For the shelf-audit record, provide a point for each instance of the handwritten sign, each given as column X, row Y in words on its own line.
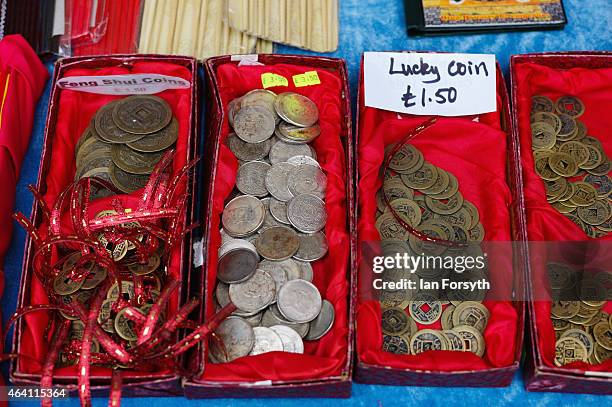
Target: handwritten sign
column 270, row 80
column 132, row 84
column 309, row 78
column 430, row 84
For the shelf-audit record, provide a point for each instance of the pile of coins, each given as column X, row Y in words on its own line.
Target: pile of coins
column 272, row 230
column 427, row 198
column 111, row 318
column 573, row 165
column 583, row 330
column 125, row 140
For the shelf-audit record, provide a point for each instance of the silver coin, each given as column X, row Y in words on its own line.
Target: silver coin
column 243, row 215
column 259, row 97
column 289, row 267
column 254, row 124
column 222, row 294
column 272, row 316
column 269, row 220
column 306, row 272
column 296, row 109
column 303, row 160
column 251, row 178
column 278, row 273
column 254, row 320
column 312, row 247
column 307, row 179
column 248, row 151
column 292, row 342
column 298, row 134
column 281, row 151
column 237, row 262
column 299, row 301
column 254, row 294
column 266, row 340
column 225, row 237
column 277, row 243
column 276, row 181
column 237, row 340
column 307, row 213
column 278, row 210
column 322, row 323
column 232, row 108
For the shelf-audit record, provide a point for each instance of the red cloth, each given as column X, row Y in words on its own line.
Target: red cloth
column 475, row 151
column 544, row 223
column 327, row 356
column 22, row 80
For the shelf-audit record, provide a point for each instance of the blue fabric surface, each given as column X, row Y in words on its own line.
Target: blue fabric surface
column 373, row 25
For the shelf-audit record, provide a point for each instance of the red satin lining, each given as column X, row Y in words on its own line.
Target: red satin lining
column 75, row 110
column 475, row 152
column 544, row 223
column 327, row 356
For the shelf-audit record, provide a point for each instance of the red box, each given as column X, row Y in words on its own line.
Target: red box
column 491, row 376
column 556, row 74
column 143, row 385
column 334, row 382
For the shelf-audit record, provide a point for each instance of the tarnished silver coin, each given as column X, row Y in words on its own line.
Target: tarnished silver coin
column 298, row 134
column 307, row 179
column 306, row 272
column 296, row 109
column 248, row 151
column 254, row 124
column 292, row 269
column 238, row 260
column 276, row 181
column 278, row 210
column 260, row 97
column 222, row 294
column 307, row 213
column 142, row 114
column 282, row 151
column 255, row 293
column 243, row 215
column 237, row 340
column 292, row 342
column 272, row 316
column 303, row 160
column 322, row 323
column 266, row 340
column 312, row 247
column 269, row 220
column 299, row 301
column 251, row 176
column 277, row 243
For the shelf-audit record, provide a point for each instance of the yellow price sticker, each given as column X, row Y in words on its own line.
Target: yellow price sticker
column 306, row 79
column 270, row 80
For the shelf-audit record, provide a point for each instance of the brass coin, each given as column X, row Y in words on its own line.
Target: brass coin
column 562, row 208
column 158, row 141
column 473, row 213
column 407, row 210
column 134, row 162
column 143, row 269
column 548, row 118
column 601, row 183
column 125, row 327
column 455, row 341
column 565, row 309
column 471, row 313
column 395, row 188
column 543, row 169
column 472, row 339
column 602, row 332
column 141, row 114
column 442, row 182
column 407, row 159
column 421, row 246
column 570, row 105
column 424, row 309
column 541, row 104
column 447, row 206
column 447, row 317
column 398, row 345
column 477, row 233
column 426, row 340
column 560, row 324
column 127, row 291
column 394, row 321
column 87, row 134
column 595, row 157
column 576, row 150
column 450, row 190
column 461, row 218
column 568, row 350
column 399, row 299
column 583, row 337
column 543, row 136
column 104, row 316
column 390, row 229
column 563, row 164
column 568, row 194
column 601, row 354
column 95, row 277
column 64, row 285
column 569, row 128
column 555, row 189
column 107, row 129
column 423, row 178
column 127, row 182
column 603, row 169
column 596, row 213
column 581, row 130
column 585, row 194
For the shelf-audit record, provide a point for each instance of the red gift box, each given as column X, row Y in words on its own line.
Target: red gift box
column 325, row 368
column 69, row 114
column 492, row 181
column 586, row 75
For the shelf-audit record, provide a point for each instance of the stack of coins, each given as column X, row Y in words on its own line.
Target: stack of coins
column 125, row 140
column 573, row 165
column 583, row 330
column 112, row 317
column 427, row 198
column 272, row 230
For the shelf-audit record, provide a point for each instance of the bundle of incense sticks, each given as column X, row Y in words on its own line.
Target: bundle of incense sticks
column 309, row 24
column 193, row 27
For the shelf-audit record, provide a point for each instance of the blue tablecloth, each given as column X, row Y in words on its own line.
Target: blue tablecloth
column 375, row 25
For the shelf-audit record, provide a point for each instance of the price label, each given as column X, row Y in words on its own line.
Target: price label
column 306, row 79
column 430, row 84
column 270, row 80
column 131, row 84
